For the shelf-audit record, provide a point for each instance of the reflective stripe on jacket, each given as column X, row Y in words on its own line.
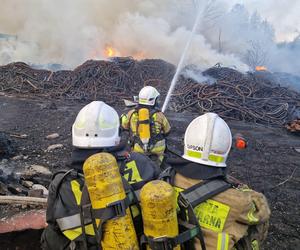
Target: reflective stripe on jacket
column 226, row 217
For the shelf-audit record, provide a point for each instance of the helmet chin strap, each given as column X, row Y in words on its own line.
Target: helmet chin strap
column 209, row 134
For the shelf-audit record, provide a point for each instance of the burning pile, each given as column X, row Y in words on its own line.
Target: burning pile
column 110, row 81
column 234, row 95
column 248, row 97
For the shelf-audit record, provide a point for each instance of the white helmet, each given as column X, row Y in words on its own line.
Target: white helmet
column 148, row 96
column 96, row 126
column 207, row 140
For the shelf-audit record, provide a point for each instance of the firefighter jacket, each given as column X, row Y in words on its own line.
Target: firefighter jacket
column 227, row 218
column 159, row 129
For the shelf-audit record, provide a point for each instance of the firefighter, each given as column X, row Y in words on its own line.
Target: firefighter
column 95, row 130
column 147, row 125
column 230, row 215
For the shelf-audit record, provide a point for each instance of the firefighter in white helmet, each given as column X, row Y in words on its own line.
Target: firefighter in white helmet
column 230, row 215
column 147, row 125
column 95, row 130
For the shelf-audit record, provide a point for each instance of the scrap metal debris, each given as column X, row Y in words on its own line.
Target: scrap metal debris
column 249, row 97
column 294, row 126
column 110, row 81
column 234, row 95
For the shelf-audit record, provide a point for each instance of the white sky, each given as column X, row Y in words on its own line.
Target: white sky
column 284, row 15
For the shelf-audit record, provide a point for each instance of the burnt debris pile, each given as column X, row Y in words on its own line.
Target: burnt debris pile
column 110, row 81
column 251, row 97
column 247, row 97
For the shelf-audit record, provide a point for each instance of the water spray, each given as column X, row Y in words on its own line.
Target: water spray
column 183, row 56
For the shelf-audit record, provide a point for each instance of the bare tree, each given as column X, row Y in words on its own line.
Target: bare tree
column 256, row 55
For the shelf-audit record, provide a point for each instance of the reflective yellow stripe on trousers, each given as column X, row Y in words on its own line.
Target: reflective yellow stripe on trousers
column 223, row 241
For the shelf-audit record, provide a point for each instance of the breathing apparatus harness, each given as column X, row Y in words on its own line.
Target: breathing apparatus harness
column 135, row 137
column 86, row 214
column 189, row 226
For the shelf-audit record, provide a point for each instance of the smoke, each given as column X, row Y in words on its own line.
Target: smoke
column 195, row 73
column 72, row 31
column 284, row 15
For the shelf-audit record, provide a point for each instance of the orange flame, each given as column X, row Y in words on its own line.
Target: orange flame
column 261, row 68
column 110, row 51
column 139, row 55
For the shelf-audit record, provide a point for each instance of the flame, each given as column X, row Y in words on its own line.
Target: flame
column 110, row 51
column 261, row 68
column 139, row 55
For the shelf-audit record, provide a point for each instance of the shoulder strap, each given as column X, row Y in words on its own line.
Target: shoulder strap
column 61, row 178
column 133, row 111
column 202, row 191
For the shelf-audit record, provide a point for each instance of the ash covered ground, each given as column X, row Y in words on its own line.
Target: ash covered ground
column 269, row 164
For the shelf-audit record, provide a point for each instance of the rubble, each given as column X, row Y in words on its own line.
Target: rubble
column 36, row 193
column 17, row 180
column 294, row 126
column 40, row 187
column 27, row 184
column 52, row 136
column 54, row 147
column 19, row 136
column 18, row 157
column 37, row 170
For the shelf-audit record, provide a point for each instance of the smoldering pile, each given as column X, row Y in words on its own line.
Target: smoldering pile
column 110, row 81
column 250, row 97
column 233, row 95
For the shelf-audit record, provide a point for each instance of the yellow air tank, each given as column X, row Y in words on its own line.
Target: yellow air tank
column 105, row 186
column 144, row 125
column 158, row 203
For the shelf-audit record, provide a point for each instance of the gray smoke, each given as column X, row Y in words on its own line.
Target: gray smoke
column 71, row 31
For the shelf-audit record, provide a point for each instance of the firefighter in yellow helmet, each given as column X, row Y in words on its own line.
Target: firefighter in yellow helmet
column 147, row 125
column 230, row 215
column 94, row 132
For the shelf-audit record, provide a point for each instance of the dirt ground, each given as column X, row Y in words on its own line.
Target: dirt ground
column 270, row 164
